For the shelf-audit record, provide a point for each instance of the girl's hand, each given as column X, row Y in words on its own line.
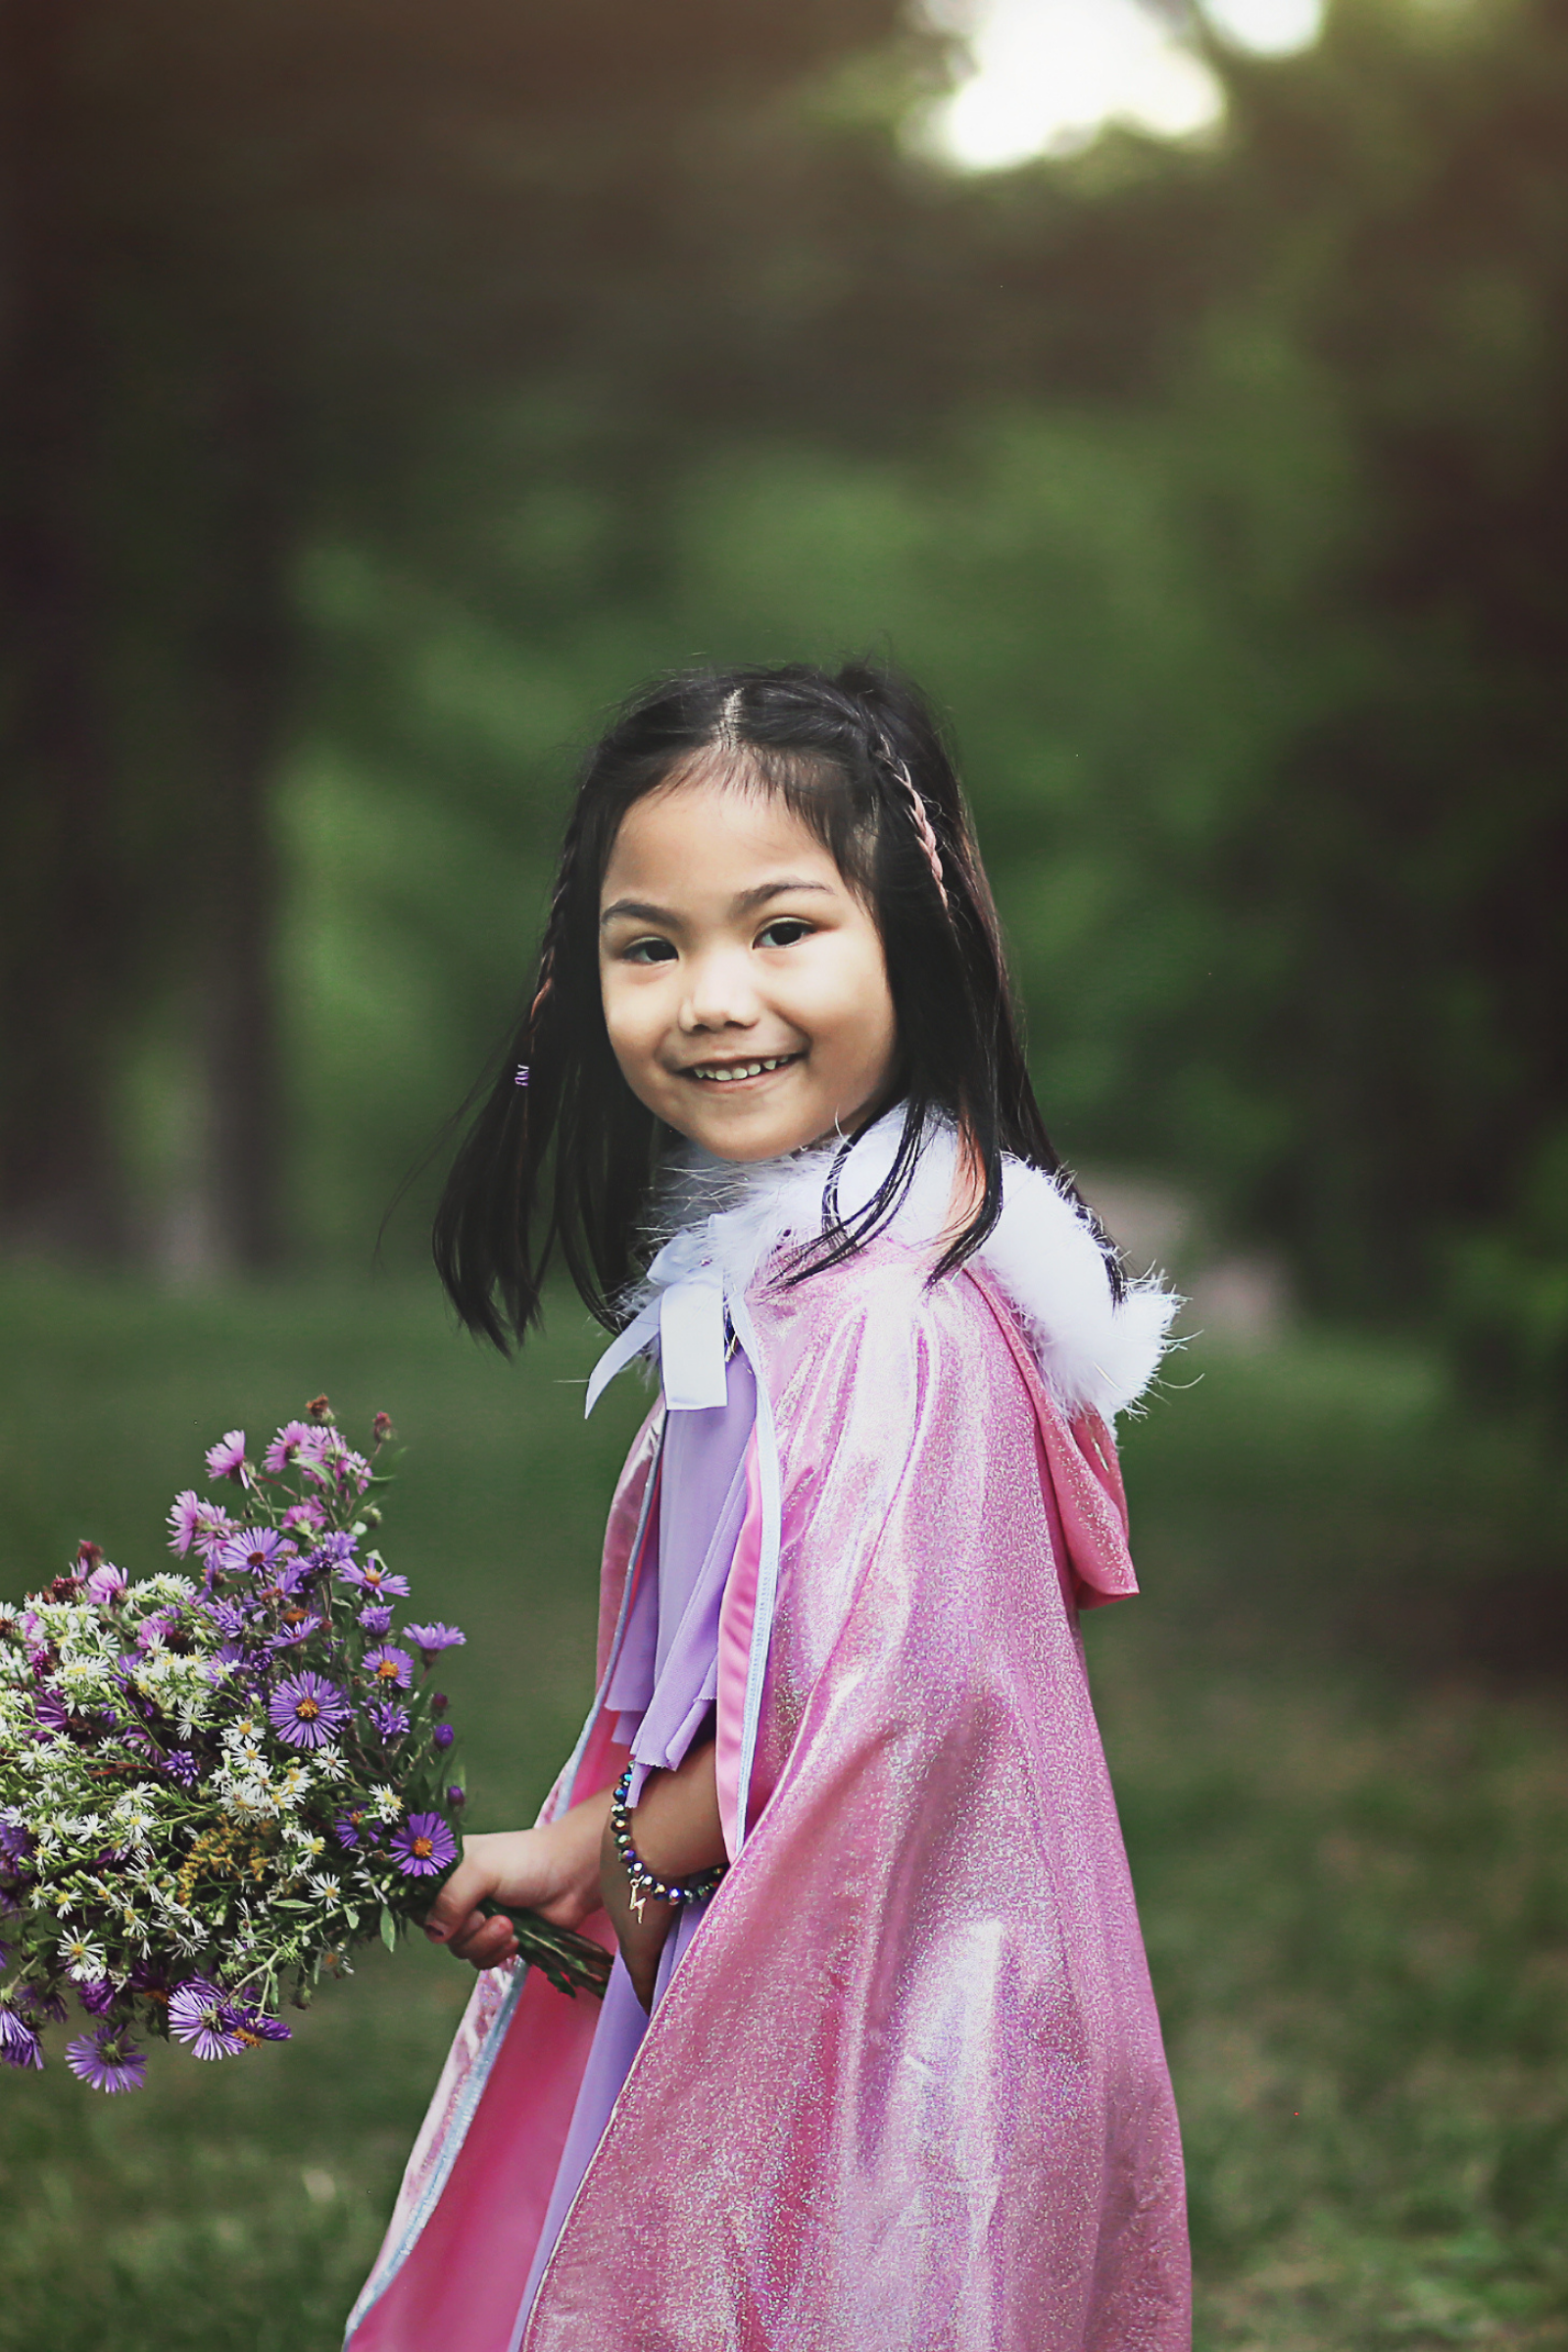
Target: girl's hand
column 553, row 1870
column 676, row 1830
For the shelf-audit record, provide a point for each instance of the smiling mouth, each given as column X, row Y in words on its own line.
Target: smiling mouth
column 728, row 1073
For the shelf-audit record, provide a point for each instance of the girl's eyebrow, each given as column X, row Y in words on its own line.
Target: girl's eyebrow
column 641, row 910
column 750, row 900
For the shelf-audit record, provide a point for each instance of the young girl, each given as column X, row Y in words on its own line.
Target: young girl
column 878, row 2069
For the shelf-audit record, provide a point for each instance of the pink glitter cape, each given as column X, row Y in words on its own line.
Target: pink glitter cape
column 906, row 2091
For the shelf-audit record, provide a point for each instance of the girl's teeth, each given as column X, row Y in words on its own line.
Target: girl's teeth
column 742, row 1069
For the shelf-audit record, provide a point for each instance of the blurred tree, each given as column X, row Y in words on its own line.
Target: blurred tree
column 301, row 228
column 69, row 935
column 1403, row 868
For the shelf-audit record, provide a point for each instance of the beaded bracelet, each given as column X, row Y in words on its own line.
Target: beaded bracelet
column 644, row 1882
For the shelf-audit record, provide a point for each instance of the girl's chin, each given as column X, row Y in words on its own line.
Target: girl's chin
column 750, row 1140
column 765, row 1133
column 752, row 1131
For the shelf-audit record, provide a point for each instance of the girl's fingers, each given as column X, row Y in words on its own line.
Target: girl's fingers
column 459, row 1899
column 483, row 1942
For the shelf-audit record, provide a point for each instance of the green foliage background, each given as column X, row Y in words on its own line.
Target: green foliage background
column 1354, row 1884
column 392, row 392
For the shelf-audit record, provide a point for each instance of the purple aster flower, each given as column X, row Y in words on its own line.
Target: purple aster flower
column 19, row 2044
column 353, row 1470
column 378, row 1581
column 444, row 1734
column 306, row 1710
column 98, row 1995
column 290, row 1579
column 255, row 2026
column 390, row 1720
column 213, row 1531
column 255, row 1551
column 307, row 1514
column 157, row 1628
column 198, row 2015
column 15, row 1842
column 291, row 1440
column 298, row 1626
column 229, row 1617
column 333, row 1550
column 227, row 1459
column 392, row 1668
column 430, row 1639
column 184, row 1520
column 376, row 1619
column 346, row 1828
column 107, row 2060
column 106, row 1584
column 423, row 1846
column 318, row 1464
column 50, row 1712
column 181, row 1766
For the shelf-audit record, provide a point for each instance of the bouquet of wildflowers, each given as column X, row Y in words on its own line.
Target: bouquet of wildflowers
column 214, row 1784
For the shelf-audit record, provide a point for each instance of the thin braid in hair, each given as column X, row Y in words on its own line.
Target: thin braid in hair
column 925, row 831
column 547, row 954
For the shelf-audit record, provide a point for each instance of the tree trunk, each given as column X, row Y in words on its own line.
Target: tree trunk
column 70, row 920
column 246, row 668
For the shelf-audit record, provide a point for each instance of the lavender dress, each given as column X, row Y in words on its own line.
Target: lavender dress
column 663, row 1691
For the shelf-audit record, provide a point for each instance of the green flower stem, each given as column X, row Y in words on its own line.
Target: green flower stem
column 573, row 1963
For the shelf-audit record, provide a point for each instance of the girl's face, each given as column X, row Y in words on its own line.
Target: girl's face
column 745, row 989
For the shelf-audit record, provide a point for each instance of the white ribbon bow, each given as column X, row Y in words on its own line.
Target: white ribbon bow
column 687, row 1318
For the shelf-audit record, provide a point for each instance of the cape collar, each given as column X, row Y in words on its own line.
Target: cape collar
column 719, row 1224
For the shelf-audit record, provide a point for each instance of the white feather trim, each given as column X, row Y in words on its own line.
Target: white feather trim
column 1093, row 1349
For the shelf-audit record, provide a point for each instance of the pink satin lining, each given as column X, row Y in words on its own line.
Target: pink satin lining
column 736, row 1616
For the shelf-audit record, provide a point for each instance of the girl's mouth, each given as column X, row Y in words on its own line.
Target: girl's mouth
column 734, row 1073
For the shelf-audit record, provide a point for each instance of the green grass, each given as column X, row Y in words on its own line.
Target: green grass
column 1353, row 1879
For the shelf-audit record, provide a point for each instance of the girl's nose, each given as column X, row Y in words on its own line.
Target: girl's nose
column 719, row 992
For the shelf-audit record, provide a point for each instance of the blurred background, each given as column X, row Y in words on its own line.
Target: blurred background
column 1178, row 391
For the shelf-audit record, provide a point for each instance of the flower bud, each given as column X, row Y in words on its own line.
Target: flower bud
column 320, row 1409
column 439, row 1702
column 444, row 1734
column 457, row 1798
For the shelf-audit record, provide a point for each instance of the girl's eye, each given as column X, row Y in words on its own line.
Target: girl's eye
column 648, row 950
column 784, row 933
